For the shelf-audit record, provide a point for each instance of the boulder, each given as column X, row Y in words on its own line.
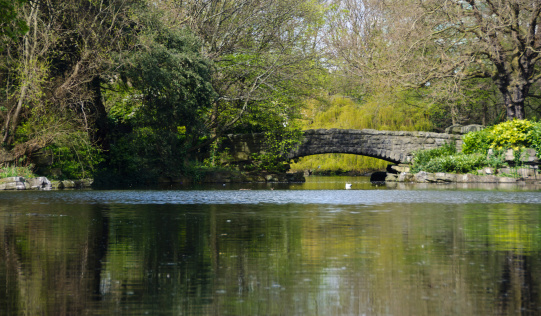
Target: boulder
column 453, row 129
column 67, row 184
column 406, row 177
column 11, row 179
column 83, row 183
column 461, row 130
column 445, row 177
column 12, row 183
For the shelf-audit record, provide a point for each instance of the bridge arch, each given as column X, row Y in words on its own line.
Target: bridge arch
column 392, row 146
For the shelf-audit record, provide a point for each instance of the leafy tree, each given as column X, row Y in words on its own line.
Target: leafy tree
column 262, row 51
column 173, row 80
column 158, row 102
column 11, row 26
column 420, row 43
column 51, row 77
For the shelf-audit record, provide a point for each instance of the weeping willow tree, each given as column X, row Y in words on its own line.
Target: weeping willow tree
column 402, row 111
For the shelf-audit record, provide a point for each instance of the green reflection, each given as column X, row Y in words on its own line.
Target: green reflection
column 290, row 259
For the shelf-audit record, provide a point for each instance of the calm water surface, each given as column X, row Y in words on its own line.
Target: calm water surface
column 301, row 249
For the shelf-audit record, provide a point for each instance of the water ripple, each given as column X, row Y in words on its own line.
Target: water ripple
column 335, row 197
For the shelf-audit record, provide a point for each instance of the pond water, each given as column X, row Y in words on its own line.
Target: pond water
column 300, row 249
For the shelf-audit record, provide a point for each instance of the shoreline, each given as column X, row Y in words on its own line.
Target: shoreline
column 442, row 177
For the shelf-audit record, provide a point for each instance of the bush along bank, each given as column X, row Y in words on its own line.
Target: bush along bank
column 507, row 152
column 42, row 183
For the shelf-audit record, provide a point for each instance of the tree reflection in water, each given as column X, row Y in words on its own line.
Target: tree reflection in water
column 277, row 259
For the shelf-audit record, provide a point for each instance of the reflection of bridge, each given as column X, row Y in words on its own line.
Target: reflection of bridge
column 395, row 147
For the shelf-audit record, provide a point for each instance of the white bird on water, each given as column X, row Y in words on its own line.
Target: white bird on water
column 348, row 186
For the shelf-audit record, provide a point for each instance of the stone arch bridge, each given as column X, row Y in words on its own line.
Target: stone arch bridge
column 392, row 146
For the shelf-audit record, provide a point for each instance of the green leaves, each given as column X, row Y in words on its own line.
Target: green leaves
column 11, row 25
column 513, row 134
column 164, row 99
column 477, row 142
column 459, row 163
column 277, row 144
column 173, row 78
column 423, row 158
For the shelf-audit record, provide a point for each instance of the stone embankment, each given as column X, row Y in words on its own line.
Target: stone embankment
column 526, row 170
column 441, row 177
column 42, row 183
column 236, row 177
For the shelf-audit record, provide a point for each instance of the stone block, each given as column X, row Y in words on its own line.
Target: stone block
column 39, row 183
column 406, row 177
column 68, row 184
column 507, row 180
column 445, row 177
column 400, row 168
column 528, row 156
column 14, row 185
column 423, row 177
column 11, row 179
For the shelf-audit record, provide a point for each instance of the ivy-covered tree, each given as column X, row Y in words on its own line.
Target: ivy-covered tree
column 158, row 101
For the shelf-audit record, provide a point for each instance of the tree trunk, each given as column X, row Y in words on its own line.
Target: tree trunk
column 513, row 98
column 99, row 134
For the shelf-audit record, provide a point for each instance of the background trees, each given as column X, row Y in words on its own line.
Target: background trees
column 446, row 43
column 263, row 52
column 51, row 76
column 138, row 82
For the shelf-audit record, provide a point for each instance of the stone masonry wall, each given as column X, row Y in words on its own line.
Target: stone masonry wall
column 395, row 147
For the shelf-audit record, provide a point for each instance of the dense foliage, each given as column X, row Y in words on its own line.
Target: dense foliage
column 515, row 134
column 142, row 89
column 139, row 89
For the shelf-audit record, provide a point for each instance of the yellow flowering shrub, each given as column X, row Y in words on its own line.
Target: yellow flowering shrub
column 511, row 134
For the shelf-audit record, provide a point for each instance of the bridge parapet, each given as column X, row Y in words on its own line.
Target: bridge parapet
column 392, row 146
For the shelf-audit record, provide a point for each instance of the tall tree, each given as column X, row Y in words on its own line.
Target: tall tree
column 51, row 76
column 262, row 51
column 418, row 43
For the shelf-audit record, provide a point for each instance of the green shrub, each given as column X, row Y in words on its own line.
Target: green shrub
column 514, row 134
column 496, row 160
column 276, row 144
column 511, row 134
column 477, row 142
column 75, row 155
column 422, row 157
column 25, row 172
column 534, row 138
column 459, row 163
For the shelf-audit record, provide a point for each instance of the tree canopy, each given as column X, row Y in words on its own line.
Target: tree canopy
column 421, row 43
column 131, row 83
